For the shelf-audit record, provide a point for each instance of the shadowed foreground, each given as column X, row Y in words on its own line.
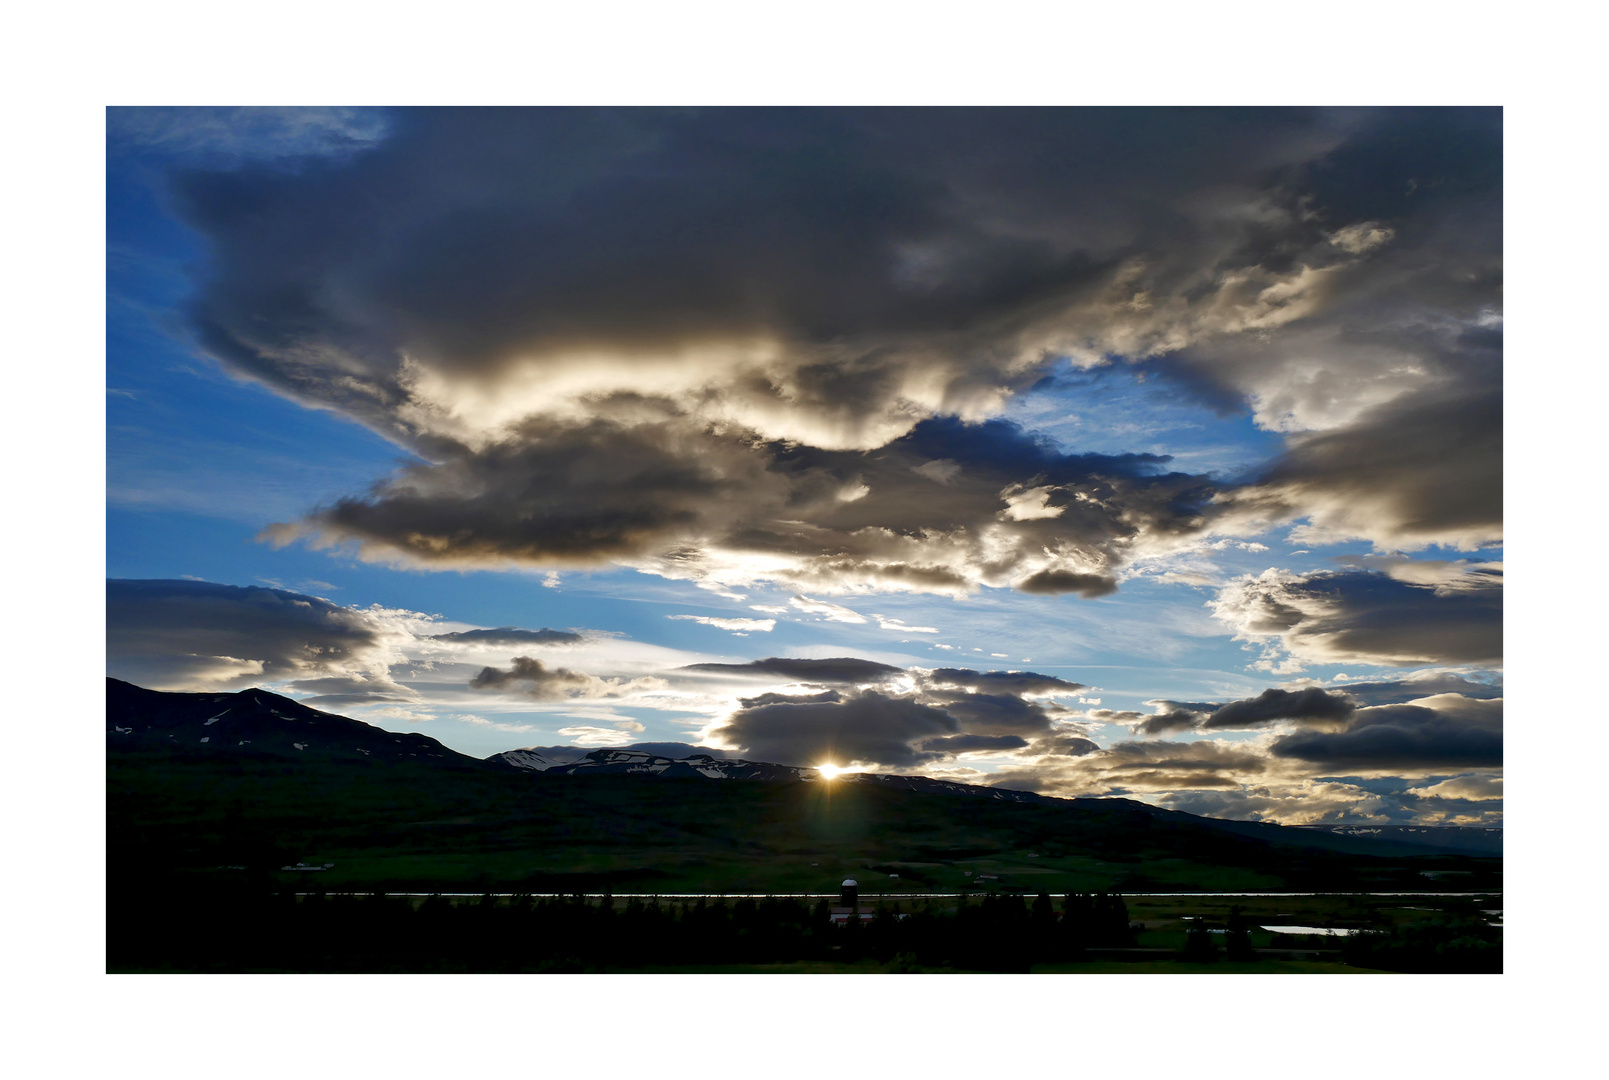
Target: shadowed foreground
column 243, row 931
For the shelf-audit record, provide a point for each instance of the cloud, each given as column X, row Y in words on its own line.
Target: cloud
column 1366, row 616
column 1416, row 685
column 1002, row 682
column 1306, row 802
column 867, row 729
column 1053, row 582
column 1474, row 788
column 1425, row 469
column 1169, row 717
column 586, row 735
column 533, row 679
column 1129, row 767
column 1446, row 731
column 935, row 716
column 831, row 612
column 1311, row 703
column 732, row 345
column 993, row 713
column 948, row 712
column 494, row 725
column 884, row 622
column 219, row 135
column 201, row 636
column 508, row 635
column 739, row 625
column 1444, row 576
column 964, row 744
column 835, row 274
column 1059, row 744
column 841, row 669
column 715, row 507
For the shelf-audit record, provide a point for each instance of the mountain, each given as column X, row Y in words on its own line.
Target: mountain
column 253, row 722
column 258, row 722
column 1467, row 838
column 199, row 782
column 634, row 762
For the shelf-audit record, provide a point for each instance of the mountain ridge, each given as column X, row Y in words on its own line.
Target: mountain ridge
column 256, row 723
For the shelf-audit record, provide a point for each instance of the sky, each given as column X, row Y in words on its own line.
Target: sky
column 1141, row 452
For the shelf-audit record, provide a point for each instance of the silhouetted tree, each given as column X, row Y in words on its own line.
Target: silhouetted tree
column 1199, row 944
column 1238, row 943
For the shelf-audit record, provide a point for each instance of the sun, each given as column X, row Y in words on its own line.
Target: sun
column 829, row 771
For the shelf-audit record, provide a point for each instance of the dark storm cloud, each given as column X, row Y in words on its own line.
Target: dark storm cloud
column 571, row 495
column 1059, row 745
column 1055, row 582
column 1425, row 469
column 197, row 635
column 1170, row 716
column 1333, row 617
column 1171, row 720
column 962, row 744
column 841, row 669
column 1448, row 733
column 993, row 713
column 1186, row 757
column 1002, row 682
column 870, row 728
column 1391, row 387
column 482, row 236
column 734, row 342
column 1307, row 704
column 942, row 718
column 937, row 509
column 508, row 635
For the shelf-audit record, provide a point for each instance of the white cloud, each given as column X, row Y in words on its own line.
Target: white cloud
column 1475, row 788
column 831, row 612
column 495, row 725
column 596, row 736
column 744, row 625
column 1364, row 236
column 887, row 623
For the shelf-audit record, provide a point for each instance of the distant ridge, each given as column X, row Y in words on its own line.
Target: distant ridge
column 641, row 762
column 1475, row 839
column 257, row 724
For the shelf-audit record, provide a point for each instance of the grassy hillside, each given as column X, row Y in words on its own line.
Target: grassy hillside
column 447, row 827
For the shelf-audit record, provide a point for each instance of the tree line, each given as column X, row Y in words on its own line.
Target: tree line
column 253, row 931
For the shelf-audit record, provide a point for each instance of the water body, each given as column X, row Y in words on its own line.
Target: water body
column 1326, row 931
